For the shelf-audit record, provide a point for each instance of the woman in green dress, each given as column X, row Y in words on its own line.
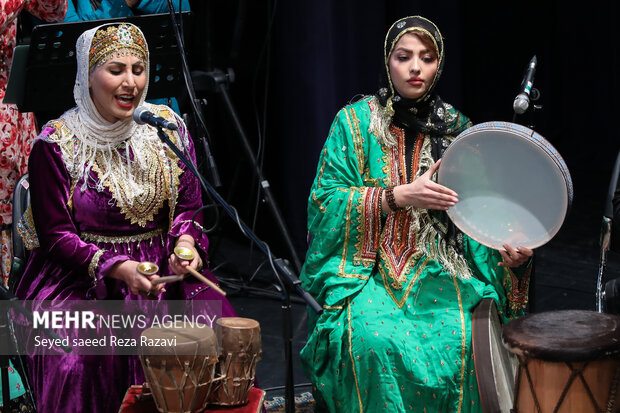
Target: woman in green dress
column 397, row 280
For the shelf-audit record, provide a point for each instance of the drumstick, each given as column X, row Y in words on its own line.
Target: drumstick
column 167, row 279
column 187, row 254
column 205, row 280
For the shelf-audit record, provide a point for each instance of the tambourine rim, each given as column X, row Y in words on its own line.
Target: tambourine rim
column 532, row 137
column 482, row 314
column 536, row 138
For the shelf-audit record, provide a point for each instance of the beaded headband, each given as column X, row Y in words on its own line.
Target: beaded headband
column 111, row 39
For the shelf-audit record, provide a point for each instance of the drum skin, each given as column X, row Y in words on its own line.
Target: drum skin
column 240, row 341
column 569, row 361
column 181, row 377
column 513, row 186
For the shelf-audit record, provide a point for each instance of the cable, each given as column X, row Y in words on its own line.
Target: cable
column 261, row 129
column 197, row 225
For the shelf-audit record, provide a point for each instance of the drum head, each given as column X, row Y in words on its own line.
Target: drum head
column 513, row 186
column 565, row 335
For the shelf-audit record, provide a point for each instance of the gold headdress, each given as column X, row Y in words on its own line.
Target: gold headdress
column 109, row 40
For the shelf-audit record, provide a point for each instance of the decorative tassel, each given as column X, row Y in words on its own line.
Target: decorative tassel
column 380, row 120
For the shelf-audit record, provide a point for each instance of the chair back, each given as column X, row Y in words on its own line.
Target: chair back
column 21, row 201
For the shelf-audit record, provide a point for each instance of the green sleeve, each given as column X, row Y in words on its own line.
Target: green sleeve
column 508, row 286
column 344, row 212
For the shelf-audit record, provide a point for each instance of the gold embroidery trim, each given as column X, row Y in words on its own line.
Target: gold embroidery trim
column 347, row 239
column 159, row 180
column 194, row 223
column 354, row 124
column 409, row 284
column 160, row 175
column 71, row 191
column 153, row 182
column 319, row 203
column 94, row 263
column 318, row 181
column 89, row 237
column 357, row 387
column 27, row 231
column 322, row 169
column 517, row 294
column 463, row 342
column 368, row 227
column 333, row 307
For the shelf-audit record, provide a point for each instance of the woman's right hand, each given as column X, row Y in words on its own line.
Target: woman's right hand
column 138, row 284
column 423, row 192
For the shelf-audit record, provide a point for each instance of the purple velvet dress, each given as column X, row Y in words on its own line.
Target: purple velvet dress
column 82, row 234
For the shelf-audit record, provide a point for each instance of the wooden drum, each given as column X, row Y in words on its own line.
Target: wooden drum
column 569, row 361
column 240, row 342
column 179, row 365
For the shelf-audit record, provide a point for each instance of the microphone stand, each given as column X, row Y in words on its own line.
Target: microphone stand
column 218, row 81
column 532, row 112
column 282, row 272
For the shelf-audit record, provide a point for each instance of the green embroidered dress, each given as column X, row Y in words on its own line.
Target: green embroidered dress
column 395, row 333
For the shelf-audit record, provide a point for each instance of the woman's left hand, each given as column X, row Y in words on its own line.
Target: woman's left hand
column 177, row 265
column 515, row 257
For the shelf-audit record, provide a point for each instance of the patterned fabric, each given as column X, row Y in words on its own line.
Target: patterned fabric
column 6, row 244
column 17, row 130
column 395, row 333
column 16, row 386
column 110, row 40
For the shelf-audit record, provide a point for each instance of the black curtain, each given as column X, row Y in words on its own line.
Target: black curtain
column 323, row 54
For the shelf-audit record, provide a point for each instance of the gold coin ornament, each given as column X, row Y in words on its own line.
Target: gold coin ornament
column 147, row 268
column 184, row 253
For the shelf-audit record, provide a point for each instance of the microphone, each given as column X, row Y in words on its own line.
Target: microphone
column 522, row 101
column 142, row 115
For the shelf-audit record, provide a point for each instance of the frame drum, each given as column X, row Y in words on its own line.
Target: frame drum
column 181, row 376
column 569, row 361
column 496, row 367
column 513, row 186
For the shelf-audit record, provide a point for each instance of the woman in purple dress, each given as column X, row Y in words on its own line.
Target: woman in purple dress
column 106, row 195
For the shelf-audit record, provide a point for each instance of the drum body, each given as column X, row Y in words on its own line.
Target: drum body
column 240, row 342
column 496, row 367
column 569, row 362
column 180, row 366
column 513, row 186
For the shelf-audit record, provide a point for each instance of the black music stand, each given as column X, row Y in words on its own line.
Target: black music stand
column 46, row 86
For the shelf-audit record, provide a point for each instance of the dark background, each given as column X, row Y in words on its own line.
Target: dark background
column 296, row 63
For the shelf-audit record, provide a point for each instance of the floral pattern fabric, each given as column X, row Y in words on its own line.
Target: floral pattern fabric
column 17, row 130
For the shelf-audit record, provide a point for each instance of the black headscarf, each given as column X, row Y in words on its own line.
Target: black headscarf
column 425, row 114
